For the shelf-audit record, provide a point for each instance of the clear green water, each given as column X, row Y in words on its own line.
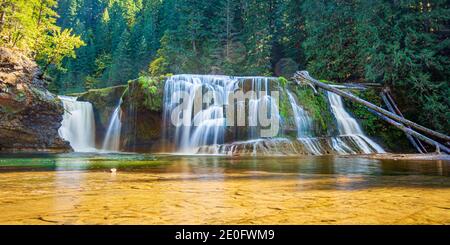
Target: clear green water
column 329, row 165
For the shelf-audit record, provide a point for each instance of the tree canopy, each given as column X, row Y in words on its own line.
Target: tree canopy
column 402, row 44
column 30, row 26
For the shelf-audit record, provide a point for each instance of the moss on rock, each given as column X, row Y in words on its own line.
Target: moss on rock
column 142, row 119
column 318, row 108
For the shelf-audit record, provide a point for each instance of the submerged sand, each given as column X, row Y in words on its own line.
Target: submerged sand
column 248, row 197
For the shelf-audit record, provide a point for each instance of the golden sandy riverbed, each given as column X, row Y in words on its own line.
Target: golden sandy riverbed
column 249, row 197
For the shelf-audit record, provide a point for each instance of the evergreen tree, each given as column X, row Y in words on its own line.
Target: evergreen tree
column 331, row 47
column 408, row 50
column 257, row 36
column 400, row 44
column 122, row 66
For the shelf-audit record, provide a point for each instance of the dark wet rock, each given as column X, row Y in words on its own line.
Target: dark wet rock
column 142, row 116
column 30, row 115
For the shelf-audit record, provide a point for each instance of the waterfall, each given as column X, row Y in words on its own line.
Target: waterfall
column 78, row 125
column 209, row 122
column 302, row 119
column 112, row 138
column 207, row 126
column 204, row 130
column 348, row 126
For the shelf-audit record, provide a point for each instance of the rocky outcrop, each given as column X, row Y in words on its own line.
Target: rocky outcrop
column 141, row 113
column 30, row 115
column 142, row 117
column 104, row 101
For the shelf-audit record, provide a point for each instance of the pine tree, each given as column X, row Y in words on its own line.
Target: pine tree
column 407, row 49
column 330, row 47
column 122, row 67
column 257, row 37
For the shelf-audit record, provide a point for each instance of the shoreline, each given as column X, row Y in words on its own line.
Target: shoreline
column 406, row 156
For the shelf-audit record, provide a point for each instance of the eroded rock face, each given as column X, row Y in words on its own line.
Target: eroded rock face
column 30, row 115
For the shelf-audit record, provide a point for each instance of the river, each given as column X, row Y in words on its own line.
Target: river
column 80, row 188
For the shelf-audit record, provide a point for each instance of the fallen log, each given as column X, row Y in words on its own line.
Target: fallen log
column 304, row 77
column 409, row 131
column 398, row 112
column 391, row 109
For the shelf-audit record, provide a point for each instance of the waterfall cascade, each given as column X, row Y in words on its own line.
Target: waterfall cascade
column 207, row 126
column 302, row 119
column 112, row 138
column 348, row 126
column 205, row 130
column 78, row 125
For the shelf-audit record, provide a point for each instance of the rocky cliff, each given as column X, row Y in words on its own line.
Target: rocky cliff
column 30, row 115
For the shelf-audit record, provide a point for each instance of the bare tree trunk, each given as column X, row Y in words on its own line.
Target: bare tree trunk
column 304, row 76
column 409, row 131
column 398, row 112
column 391, row 109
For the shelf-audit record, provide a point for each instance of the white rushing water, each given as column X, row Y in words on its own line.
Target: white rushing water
column 302, row 119
column 112, row 138
column 348, row 126
column 207, row 126
column 205, row 130
column 78, row 125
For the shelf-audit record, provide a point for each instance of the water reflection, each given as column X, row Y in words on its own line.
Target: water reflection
column 216, row 166
column 69, row 177
column 165, row 189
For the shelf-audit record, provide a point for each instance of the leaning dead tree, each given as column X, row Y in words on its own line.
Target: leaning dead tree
column 392, row 107
column 403, row 124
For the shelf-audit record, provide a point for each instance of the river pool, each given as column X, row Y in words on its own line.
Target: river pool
column 174, row 189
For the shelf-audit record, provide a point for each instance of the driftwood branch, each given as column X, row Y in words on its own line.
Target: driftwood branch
column 304, row 77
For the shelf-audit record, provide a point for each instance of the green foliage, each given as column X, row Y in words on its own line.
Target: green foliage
column 283, row 82
column 401, row 44
column 56, row 47
column 159, row 66
column 30, row 26
column 316, row 105
column 408, row 49
column 393, row 138
column 91, row 83
column 153, row 94
column 331, row 44
column 284, row 105
column 178, row 36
